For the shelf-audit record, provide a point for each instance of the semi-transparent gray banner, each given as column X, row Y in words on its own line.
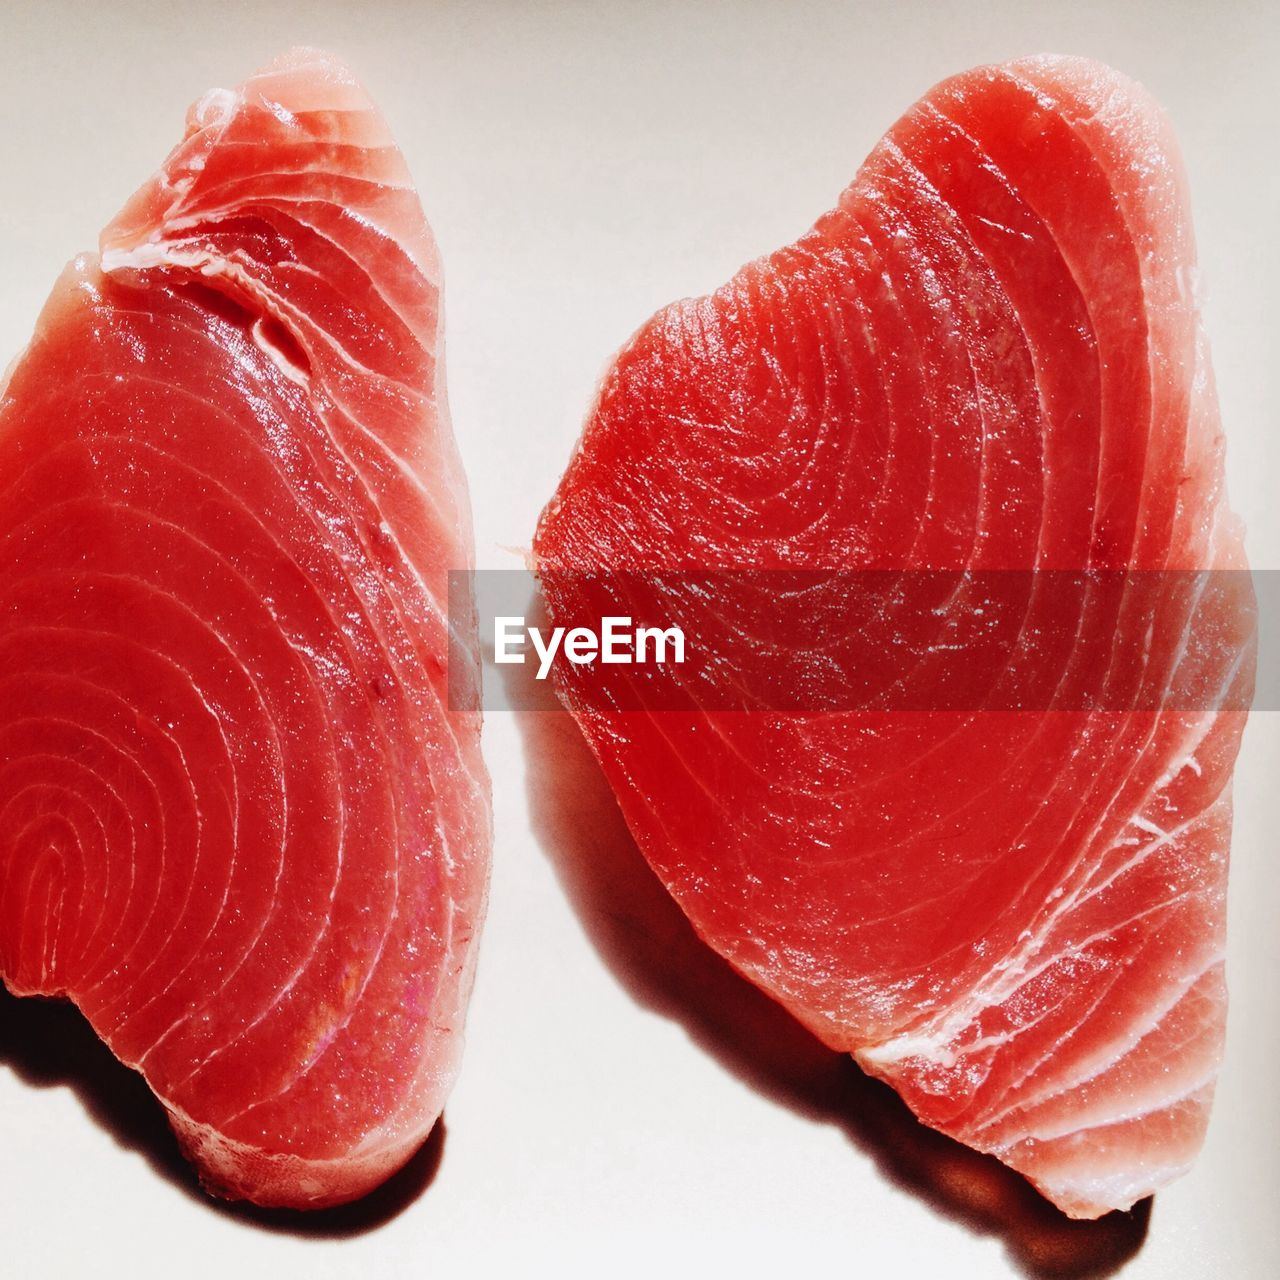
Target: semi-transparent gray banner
column 904, row 640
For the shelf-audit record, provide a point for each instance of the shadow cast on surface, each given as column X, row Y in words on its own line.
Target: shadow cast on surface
column 645, row 939
column 49, row 1044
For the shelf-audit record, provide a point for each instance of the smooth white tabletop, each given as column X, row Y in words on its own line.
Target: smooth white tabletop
column 626, row 1107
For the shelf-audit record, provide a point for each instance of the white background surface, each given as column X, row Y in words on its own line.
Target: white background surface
column 627, row 1108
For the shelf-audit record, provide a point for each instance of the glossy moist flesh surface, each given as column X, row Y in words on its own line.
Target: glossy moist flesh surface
column 240, row 826
column 987, row 357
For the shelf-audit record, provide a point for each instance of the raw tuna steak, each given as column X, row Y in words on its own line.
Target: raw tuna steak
column 986, row 358
column 240, row 825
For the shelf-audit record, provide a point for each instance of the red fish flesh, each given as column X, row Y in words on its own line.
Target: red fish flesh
column 241, row 826
column 988, row 357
